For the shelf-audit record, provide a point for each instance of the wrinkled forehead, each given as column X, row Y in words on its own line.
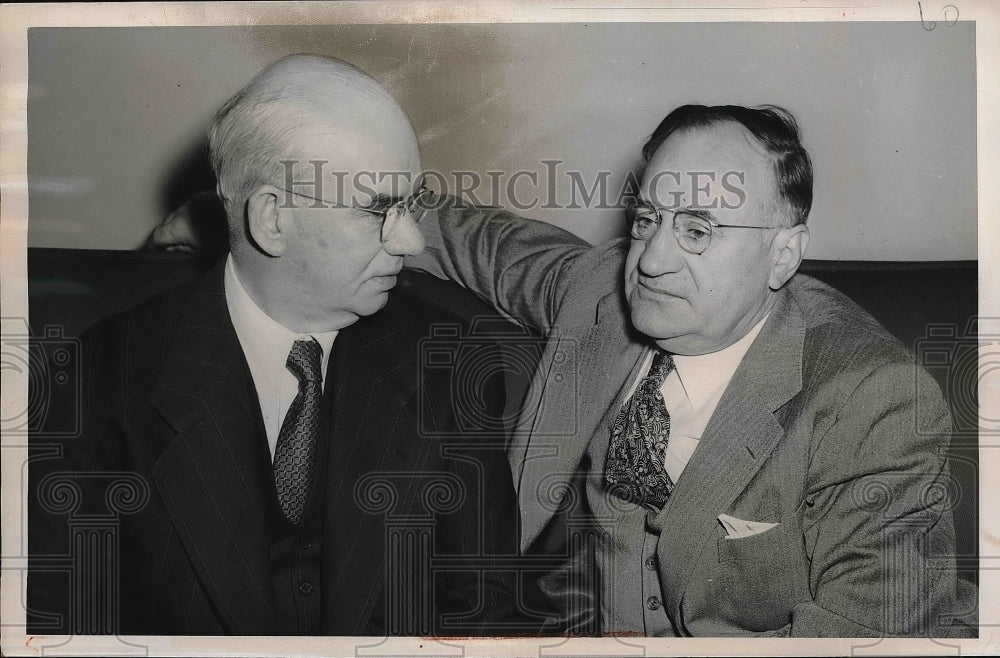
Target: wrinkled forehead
column 355, row 143
column 718, row 166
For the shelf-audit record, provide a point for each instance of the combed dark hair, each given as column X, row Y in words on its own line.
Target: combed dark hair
column 774, row 127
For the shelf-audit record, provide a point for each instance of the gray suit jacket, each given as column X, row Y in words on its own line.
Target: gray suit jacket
column 826, row 429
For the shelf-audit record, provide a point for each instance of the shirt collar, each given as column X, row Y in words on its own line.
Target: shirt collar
column 704, row 375
column 264, row 340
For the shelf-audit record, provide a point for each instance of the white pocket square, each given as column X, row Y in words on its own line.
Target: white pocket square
column 738, row 528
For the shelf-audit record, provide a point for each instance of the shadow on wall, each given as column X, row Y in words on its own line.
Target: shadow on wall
column 190, row 174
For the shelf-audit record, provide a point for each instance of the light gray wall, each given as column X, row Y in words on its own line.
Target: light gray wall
column 116, row 115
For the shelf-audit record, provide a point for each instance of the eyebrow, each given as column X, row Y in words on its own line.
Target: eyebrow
column 700, row 213
column 381, row 202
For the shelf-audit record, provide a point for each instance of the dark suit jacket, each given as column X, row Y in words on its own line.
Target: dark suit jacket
column 173, row 455
column 827, row 429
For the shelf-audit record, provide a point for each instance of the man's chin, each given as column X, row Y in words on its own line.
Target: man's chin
column 651, row 320
column 374, row 303
column 652, row 328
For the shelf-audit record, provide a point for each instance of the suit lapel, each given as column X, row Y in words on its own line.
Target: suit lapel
column 737, row 441
column 374, row 431
column 595, row 363
column 215, row 476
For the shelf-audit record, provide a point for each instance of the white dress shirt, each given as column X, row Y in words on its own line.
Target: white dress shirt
column 266, row 345
column 692, row 391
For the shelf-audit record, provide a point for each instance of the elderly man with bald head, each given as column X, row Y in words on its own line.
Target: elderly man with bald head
column 271, row 408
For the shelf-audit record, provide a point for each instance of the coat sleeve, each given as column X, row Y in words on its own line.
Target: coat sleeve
column 877, row 518
column 519, row 266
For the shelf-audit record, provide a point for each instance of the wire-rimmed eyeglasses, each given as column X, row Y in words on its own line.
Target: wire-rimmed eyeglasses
column 692, row 227
column 391, row 211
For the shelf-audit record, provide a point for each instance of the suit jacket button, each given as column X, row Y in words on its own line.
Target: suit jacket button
column 650, row 562
column 305, row 588
column 306, row 542
column 653, row 603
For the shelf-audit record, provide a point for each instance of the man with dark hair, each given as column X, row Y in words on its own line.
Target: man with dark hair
column 266, row 416
column 747, row 436
column 773, row 127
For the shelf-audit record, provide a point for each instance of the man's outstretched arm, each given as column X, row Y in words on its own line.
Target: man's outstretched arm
column 520, row 266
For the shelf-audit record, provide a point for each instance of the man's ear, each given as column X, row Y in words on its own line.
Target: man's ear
column 787, row 250
column 267, row 222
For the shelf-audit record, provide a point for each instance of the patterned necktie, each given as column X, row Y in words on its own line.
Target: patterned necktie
column 635, row 469
column 295, row 454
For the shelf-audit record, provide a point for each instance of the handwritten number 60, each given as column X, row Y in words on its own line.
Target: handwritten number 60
column 947, row 10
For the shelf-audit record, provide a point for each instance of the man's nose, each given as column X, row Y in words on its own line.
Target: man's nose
column 662, row 254
column 406, row 238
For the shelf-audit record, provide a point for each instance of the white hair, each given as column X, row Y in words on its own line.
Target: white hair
column 264, row 121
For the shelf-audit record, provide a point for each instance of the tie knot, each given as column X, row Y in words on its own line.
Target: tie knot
column 663, row 363
column 305, row 360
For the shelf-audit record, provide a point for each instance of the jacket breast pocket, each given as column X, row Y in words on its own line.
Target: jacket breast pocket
column 750, row 548
column 761, row 577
